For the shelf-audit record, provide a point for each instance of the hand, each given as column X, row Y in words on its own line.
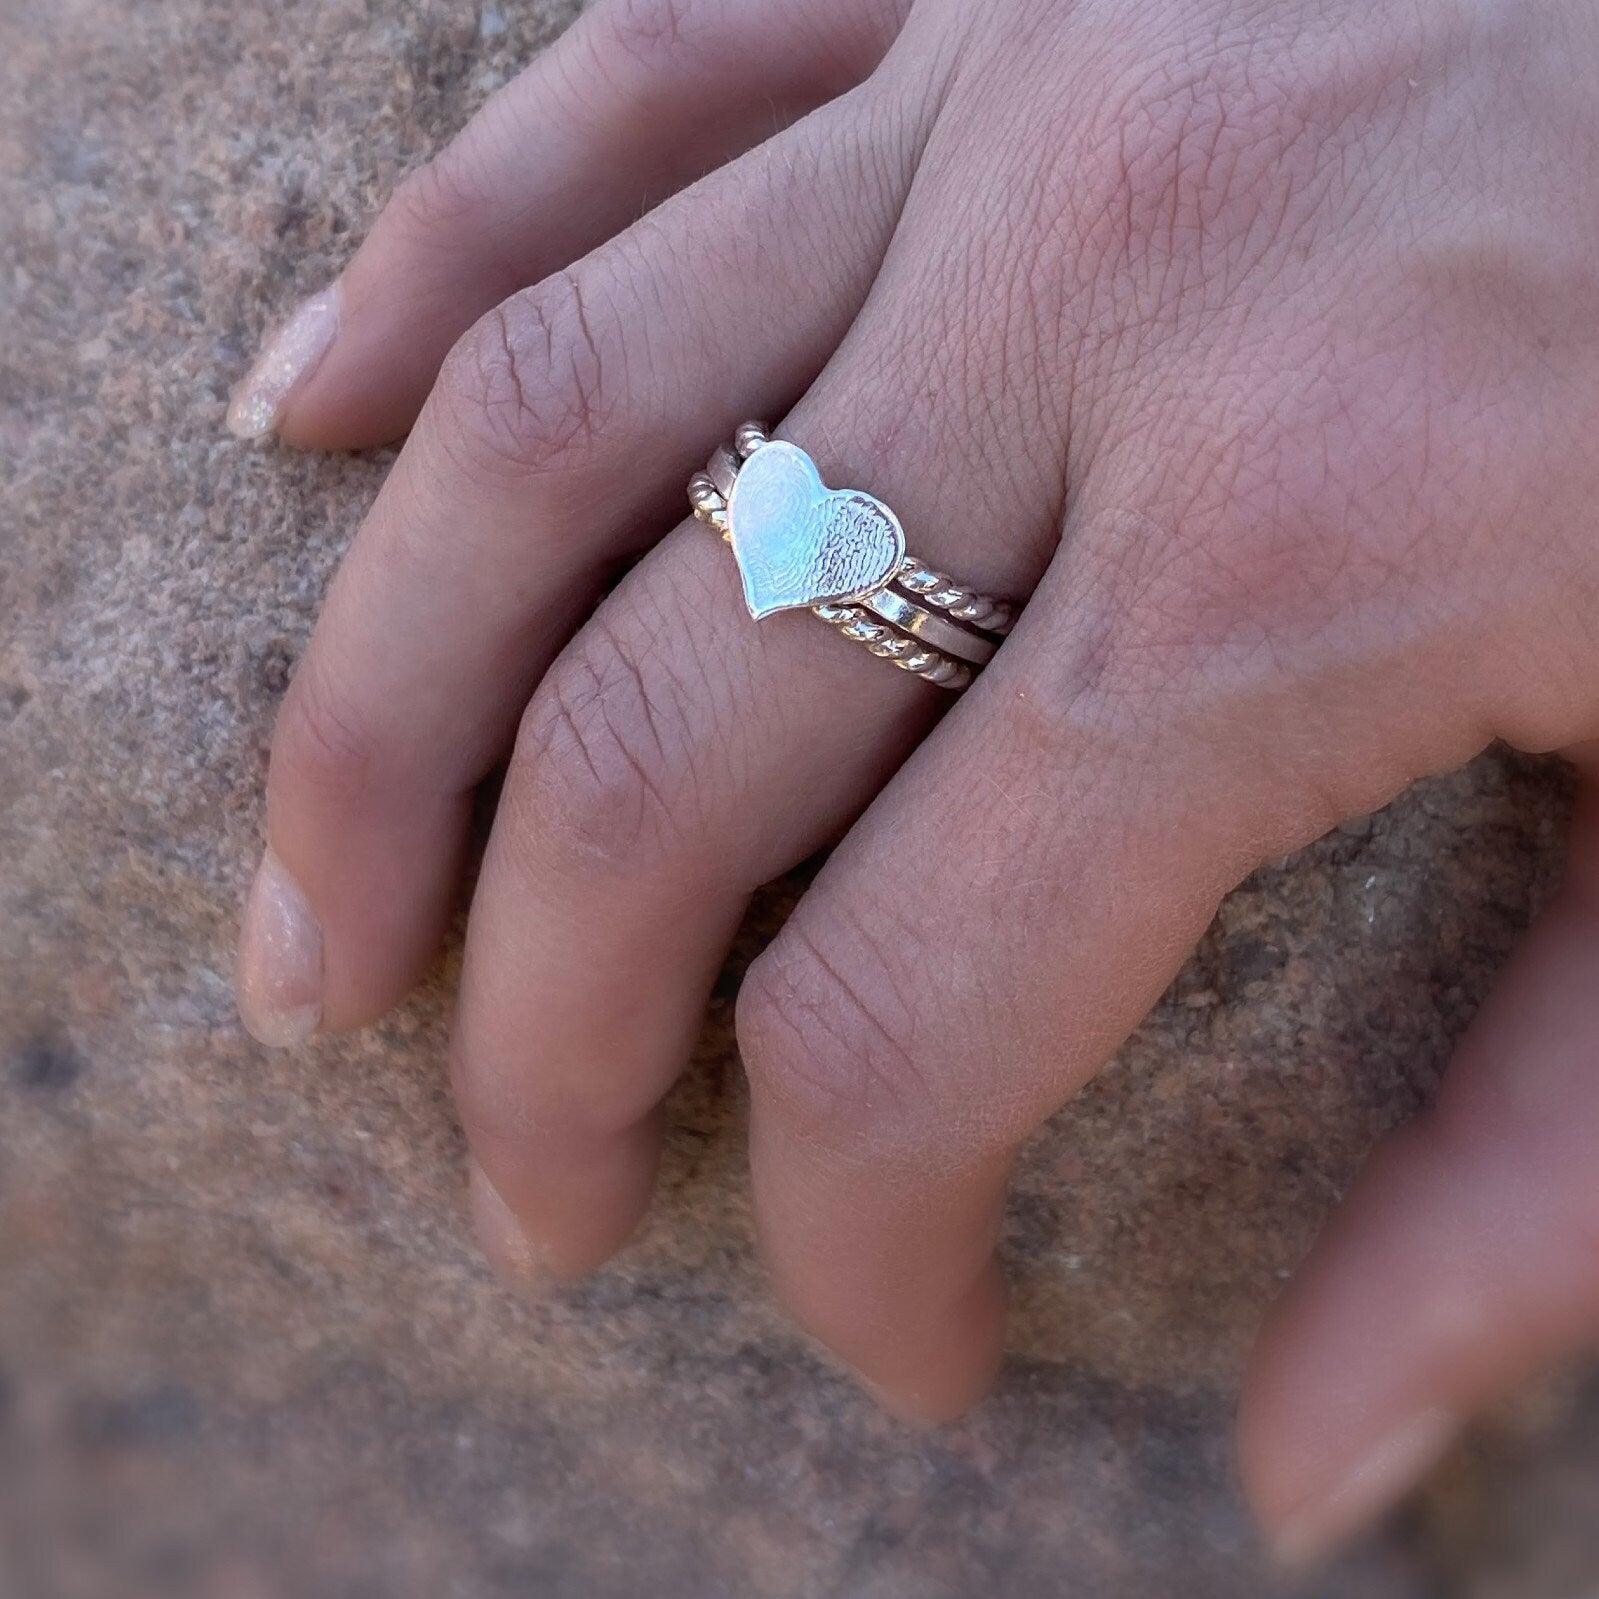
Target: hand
column 1257, row 342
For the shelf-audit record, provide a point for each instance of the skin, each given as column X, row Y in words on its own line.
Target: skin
column 1255, row 340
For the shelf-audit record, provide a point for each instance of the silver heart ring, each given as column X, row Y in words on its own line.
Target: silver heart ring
column 840, row 554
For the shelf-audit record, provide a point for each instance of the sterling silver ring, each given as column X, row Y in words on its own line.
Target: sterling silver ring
column 840, row 554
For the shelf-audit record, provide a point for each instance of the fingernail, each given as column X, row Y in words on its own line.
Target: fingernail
column 279, row 978
column 508, row 1249
column 290, row 355
column 1377, row 1478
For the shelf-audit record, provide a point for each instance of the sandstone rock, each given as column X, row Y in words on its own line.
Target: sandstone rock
column 245, row 1346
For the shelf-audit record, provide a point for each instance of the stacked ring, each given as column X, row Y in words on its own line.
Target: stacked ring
column 841, row 555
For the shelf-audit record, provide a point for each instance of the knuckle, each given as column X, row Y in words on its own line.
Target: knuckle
column 524, row 393
column 493, row 1102
column 323, row 742
column 462, row 189
column 603, row 773
column 499, row 1103
column 823, row 1030
column 1133, row 623
column 434, row 203
column 1214, row 139
column 660, row 33
column 1175, row 142
column 1289, row 505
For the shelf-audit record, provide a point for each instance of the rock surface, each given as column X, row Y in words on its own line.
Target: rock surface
column 245, row 1346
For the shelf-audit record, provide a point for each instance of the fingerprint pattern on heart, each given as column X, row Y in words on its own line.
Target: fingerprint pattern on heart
column 800, row 544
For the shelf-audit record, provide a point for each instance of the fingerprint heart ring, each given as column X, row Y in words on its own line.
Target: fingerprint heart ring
column 840, row 554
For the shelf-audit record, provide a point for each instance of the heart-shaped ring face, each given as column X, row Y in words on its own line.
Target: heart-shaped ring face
column 800, row 544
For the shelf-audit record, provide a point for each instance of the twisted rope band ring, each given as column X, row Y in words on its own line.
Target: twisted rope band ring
column 840, row 554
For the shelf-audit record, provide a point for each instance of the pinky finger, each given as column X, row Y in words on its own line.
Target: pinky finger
column 1466, row 1258
column 638, row 99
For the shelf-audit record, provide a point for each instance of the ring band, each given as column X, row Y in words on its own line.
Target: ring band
column 932, row 629
column 841, row 555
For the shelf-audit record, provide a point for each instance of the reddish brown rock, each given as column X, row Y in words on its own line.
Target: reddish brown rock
column 245, row 1347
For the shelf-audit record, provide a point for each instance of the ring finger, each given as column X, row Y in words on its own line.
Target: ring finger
column 676, row 757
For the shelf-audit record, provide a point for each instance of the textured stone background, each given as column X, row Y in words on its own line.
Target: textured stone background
column 245, row 1349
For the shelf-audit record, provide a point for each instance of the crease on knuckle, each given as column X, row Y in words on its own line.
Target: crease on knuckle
column 821, row 1028
column 659, row 34
column 528, row 392
column 1265, row 548
column 433, row 204
column 604, row 760
column 1128, row 650
column 1211, row 155
column 322, row 741
column 493, row 1102
column 498, row 1104
column 1183, row 145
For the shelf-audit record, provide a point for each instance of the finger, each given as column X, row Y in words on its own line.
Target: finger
column 658, row 779
column 985, row 938
column 557, row 434
column 1462, row 1261
column 676, row 757
column 636, row 99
